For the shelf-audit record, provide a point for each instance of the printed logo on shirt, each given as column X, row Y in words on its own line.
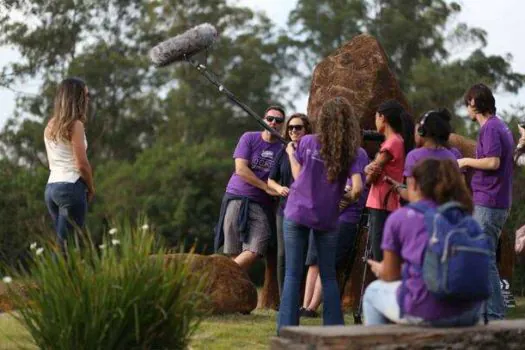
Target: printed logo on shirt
column 263, row 162
column 314, row 154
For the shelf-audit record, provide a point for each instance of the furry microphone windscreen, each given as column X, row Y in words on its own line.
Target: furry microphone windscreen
column 183, row 45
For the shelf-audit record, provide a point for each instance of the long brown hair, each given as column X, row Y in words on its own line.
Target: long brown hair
column 306, row 123
column 339, row 135
column 70, row 105
column 441, row 181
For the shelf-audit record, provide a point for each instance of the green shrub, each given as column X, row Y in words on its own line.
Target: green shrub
column 120, row 295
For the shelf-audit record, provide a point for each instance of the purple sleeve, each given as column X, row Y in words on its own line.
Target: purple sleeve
column 490, row 143
column 456, row 153
column 409, row 165
column 359, row 164
column 243, row 149
column 391, row 240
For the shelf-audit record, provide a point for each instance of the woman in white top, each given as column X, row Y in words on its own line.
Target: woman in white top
column 70, row 184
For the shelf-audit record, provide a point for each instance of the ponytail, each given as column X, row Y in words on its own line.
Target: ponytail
column 400, row 121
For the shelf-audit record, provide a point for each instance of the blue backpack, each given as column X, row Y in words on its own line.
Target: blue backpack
column 457, row 257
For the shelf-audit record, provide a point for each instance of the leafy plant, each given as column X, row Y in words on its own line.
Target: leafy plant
column 123, row 294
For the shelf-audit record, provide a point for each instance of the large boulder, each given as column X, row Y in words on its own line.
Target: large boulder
column 10, row 295
column 466, row 146
column 229, row 288
column 359, row 72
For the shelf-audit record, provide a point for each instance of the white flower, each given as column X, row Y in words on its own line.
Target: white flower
column 39, row 251
column 102, row 246
column 113, row 231
column 33, row 246
column 145, row 227
column 115, row 242
column 7, row 279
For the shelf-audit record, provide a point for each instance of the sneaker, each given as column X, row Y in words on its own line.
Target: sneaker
column 309, row 313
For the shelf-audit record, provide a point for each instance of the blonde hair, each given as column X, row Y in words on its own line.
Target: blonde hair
column 70, row 105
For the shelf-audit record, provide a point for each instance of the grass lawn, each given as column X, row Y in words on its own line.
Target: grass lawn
column 217, row 332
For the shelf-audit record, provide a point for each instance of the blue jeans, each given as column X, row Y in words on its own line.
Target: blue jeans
column 295, row 245
column 491, row 221
column 67, row 204
column 380, row 306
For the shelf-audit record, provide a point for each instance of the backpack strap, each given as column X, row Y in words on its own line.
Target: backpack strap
column 419, row 207
column 450, row 205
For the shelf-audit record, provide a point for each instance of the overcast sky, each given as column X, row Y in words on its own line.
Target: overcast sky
column 501, row 19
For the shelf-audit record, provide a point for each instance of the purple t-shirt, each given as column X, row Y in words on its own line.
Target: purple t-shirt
column 352, row 213
column 313, row 201
column 493, row 188
column 406, row 236
column 261, row 155
column 456, row 152
column 419, row 154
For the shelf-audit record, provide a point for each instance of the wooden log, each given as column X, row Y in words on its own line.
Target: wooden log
column 496, row 335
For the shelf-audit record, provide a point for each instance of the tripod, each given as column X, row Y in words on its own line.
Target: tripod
column 363, row 223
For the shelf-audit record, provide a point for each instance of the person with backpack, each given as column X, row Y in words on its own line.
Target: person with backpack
column 491, row 182
column 436, row 257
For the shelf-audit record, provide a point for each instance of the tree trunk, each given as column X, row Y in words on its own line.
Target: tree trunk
column 269, row 298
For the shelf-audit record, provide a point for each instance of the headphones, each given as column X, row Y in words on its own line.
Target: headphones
column 421, row 131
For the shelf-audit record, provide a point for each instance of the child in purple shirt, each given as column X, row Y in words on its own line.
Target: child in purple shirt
column 492, row 180
column 404, row 241
column 431, row 139
column 321, row 165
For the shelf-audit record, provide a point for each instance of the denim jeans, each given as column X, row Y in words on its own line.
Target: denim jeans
column 380, row 306
column 295, row 243
column 67, row 204
column 491, row 221
column 376, row 223
column 280, row 253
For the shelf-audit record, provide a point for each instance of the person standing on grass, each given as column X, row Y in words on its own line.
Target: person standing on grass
column 281, row 178
column 389, row 163
column 321, row 165
column 247, row 217
column 491, row 182
column 70, row 185
column 431, row 139
column 350, row 207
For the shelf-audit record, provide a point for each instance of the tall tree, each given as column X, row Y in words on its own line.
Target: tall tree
column 133, row 103
column 417, row 35
column 160, row 139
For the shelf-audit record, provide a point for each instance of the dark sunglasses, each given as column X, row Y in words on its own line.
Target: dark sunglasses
column 272, row 118
column 295, row 127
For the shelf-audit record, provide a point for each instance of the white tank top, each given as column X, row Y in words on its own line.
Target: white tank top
column 61, row 161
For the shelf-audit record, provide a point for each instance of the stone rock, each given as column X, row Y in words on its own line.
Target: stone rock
column 269, row 297
column 228, row 286
column 466, row 146
column 359, row 72
column 7, row 302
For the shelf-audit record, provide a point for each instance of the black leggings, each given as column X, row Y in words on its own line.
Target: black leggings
column 376, row 223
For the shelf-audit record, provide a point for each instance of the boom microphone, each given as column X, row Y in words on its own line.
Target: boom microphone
column 187, row 44
column 184, row 45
